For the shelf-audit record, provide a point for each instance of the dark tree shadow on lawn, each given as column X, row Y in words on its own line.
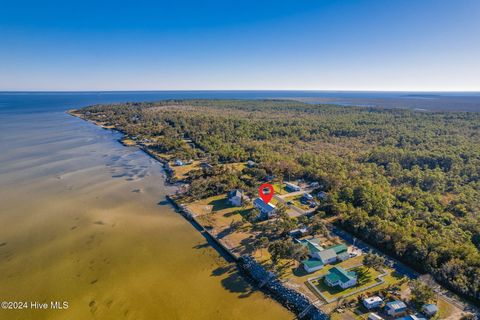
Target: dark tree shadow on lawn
column 219, row 204
column 225, row 232
column 299, row 271
column 248, row 244
column 240, row 211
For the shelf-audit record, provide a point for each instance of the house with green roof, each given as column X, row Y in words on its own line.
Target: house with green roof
column 320, row 256
column 337, row 276
column 312, row 265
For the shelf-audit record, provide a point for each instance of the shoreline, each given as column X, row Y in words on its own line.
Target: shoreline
column 250, row 270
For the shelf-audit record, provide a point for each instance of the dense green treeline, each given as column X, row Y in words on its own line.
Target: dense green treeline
column 406, row 181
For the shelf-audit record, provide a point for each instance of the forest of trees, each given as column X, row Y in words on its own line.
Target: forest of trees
column 406, row 181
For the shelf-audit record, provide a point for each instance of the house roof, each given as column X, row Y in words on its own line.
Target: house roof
column 373, row 299
column 312, row 263
column 327, row 254
column 262, row 206
column 430, row 308
column 235, row 193
column 339, row 274
column 289, row 184
column 339, row 248
column 396, row 305
column 343, row 256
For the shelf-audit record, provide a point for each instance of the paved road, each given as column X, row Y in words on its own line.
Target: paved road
column 295, row 193
column 297, row 211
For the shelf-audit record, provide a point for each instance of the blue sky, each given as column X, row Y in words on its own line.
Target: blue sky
column 299, row 44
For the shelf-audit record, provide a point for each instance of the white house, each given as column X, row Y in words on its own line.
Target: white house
column 292, row 187
column 235, row 197
column 267, row 210
column 178, row 162
column 372, row 302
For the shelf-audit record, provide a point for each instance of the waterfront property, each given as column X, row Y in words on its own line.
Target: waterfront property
column 337, row 276
column 267, row 210
column 320, row 256
column 235, row 197
column 372, row 302
column 178, row 163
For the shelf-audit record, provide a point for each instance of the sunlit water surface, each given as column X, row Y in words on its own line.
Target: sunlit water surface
column 83, row 219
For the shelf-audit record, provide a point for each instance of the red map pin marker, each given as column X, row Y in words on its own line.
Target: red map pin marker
column 266, row 197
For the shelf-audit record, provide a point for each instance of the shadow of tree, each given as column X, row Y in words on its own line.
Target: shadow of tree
column 299, row 271
column 202, row 246
column 233, row 281
column 225, row 232
column 219, row 204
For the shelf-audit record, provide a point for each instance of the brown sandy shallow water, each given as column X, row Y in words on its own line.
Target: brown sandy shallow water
column 84, row 220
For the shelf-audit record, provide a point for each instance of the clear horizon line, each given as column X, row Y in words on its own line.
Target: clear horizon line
column 235, row 90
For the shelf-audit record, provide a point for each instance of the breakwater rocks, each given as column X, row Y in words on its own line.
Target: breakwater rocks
column 292, row 299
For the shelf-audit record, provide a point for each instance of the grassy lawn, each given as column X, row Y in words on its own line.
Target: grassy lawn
column 221, row 211
column 279, row 188
column 180, row 172
column 219, row 214
column 298, row 277
column 128, row 142
column 445, row 309
column 236, row 166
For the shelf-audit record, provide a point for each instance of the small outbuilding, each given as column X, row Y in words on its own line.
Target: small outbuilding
column 292, row 187
column 178, row 162
column 374, row 316
column 430, row 309
column 312, row 265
